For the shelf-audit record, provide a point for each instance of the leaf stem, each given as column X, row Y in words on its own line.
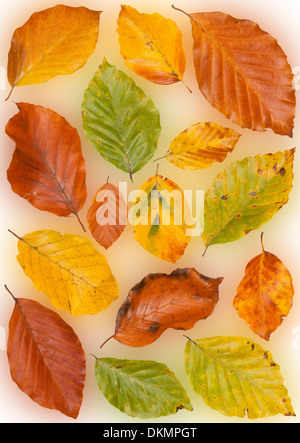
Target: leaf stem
column 7, row 98
column 11, row 232
column 261, row 240
column 80, row 222
column 106, row 341
column 15, row 299
column 205, row 251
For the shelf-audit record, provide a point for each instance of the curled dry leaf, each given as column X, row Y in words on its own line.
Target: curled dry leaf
column 107, row 217
column 246, row 195
column 200, row 145
column 46, row 358
column 265, row 295
column 145, row 389
column 151, row 46
column 52, row 42
column 163, row 301
column 69, row 270
column 120, row 120
column 161, row 219
column 236, row 377
column 47, row 168
column 242, row 71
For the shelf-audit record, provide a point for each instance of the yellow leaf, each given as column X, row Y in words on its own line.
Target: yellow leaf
column 52, row 42
column 161, row 219
column 151, row 46
column 202, row 144
column 67, row 268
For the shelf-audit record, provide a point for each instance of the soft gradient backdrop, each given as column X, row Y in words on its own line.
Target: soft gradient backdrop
column 128, row 260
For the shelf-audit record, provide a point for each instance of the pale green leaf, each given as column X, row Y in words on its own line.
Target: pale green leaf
column 246, row 195
column 120, row 120
column 144, row 389
column 236, row 377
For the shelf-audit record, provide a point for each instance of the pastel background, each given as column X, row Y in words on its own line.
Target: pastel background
column 128, row 260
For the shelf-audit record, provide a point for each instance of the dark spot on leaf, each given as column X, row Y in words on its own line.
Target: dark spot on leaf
column 260, row 171
column 179, row 407
column 282, row 172
column 252, row 347
column 154, row 327
column 119, row 367
column 224, row 197
column 237, row 215
column 253, row 194
column 265, row 355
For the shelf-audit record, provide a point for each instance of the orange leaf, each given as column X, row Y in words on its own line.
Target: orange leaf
column 108, row 215
column 243, row 72
column 163, row 301
column 46, row 358
column 265, row 294
column 56, row 41
column 151, row 46
column 47, row 167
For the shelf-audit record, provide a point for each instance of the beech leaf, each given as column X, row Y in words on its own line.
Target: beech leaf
column 163, row 301
column 246, row 195
column 236, row 377
column 47, row 168
column 243, row 72
column 151, row 46
column 46, row 358
column 265, row 295
column 119, row 120
column 107, row 217
column 161, row 218
column 56, row 41
column 200, row 145
column 69, row 270
column 144, row 389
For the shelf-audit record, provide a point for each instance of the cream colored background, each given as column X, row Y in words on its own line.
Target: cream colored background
column 128, row 261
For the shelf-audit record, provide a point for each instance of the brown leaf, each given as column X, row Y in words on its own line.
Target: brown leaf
column 47, row 167
column 265, row 295
column 243, row 72
column 163, row 301
column 108, row 215
column 46, row 358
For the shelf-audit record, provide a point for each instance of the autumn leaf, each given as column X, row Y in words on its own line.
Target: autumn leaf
column 246, row 195
column 151, row 46
column 146, row 389
column 107, row 217
column 236, row 377
column 161, row 219
column 200, row 145
column 69, row 270
column 46, row 358
column 265, row 295
column 242, row 71
column 163, row 301
column 56, row 41
column 119, row 120
column 47, row 168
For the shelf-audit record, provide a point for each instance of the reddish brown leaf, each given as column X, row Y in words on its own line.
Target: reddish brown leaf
column 163, row 301
column 46, row 358
column 243, row 72
column 47, row 167
column 108, row 215
column 265, row 295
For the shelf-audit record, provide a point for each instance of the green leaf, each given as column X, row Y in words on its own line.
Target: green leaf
column 138, row 388
column 120, row 120
column 246, row 195
column 236, row 376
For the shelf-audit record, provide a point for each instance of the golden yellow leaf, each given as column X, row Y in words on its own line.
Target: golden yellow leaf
column 52, row 42
column 161, row 219
column 151, row 46
column 67, row 268
column 202, row 144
